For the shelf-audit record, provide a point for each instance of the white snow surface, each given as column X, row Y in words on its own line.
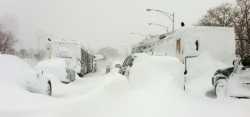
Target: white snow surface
column 153, row 89
column 16, row 77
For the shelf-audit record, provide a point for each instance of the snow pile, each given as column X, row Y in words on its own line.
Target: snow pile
column 154, row 88
column 200, row 72
column 14, row 70
column 16, row 81
column 144, row 73
column 155, row 91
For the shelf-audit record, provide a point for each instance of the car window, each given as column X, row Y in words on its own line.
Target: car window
column 128, row 61
column 125, row 62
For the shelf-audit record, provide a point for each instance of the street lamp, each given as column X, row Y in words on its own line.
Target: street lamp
column 171, row 16
column 155, row 24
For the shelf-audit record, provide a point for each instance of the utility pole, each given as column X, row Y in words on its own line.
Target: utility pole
column 186, row 70
column 186, row 60
column 173, row 24
column 50, row 48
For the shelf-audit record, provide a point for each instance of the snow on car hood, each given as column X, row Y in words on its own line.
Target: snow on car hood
column 56, row 67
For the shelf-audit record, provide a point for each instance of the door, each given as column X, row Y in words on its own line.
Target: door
column 179, row 50
column 178, row 47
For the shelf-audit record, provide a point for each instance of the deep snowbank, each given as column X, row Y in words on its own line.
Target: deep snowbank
column 158, row 91
column 14, row 70
column 94, row 95
column 161, row 70
column 16, row 77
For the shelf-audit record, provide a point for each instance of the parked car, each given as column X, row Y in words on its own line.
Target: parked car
column 17, row 74
column 62, row 69
column 233, row 81
column 127, row 64
column 41, row 84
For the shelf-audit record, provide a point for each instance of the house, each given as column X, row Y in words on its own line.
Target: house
column 218, row 42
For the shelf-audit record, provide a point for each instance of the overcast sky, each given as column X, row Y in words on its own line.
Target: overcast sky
column 96, row 23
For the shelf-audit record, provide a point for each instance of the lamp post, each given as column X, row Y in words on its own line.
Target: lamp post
column 171, row 16
column 49, row 48
column 186, row 70
column 155, row 24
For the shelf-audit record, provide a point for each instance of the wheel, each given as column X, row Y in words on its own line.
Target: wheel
column 49, row 90
column 220, row 88
column 80, row 75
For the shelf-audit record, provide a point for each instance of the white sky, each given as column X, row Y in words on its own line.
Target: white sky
column 97, row 23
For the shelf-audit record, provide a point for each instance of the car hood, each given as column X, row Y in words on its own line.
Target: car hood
column 242, row 76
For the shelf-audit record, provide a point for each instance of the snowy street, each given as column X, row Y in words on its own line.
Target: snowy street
column 144, row 94
column 125, row 58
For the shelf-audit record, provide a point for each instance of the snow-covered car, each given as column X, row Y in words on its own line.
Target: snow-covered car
column 127, row 64
column 41, row 84
column 232, row 81
column 17, row 74
column 62, row 69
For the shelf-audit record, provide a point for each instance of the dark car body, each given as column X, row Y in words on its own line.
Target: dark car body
column 233, row 81
column 222, row 74
column 127, row 63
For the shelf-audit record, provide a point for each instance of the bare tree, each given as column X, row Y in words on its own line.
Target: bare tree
column 242, row 28
column 7, row 42
column 222, row 15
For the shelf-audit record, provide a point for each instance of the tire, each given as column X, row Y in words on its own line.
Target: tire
column 220, row 88
column 49, row 90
